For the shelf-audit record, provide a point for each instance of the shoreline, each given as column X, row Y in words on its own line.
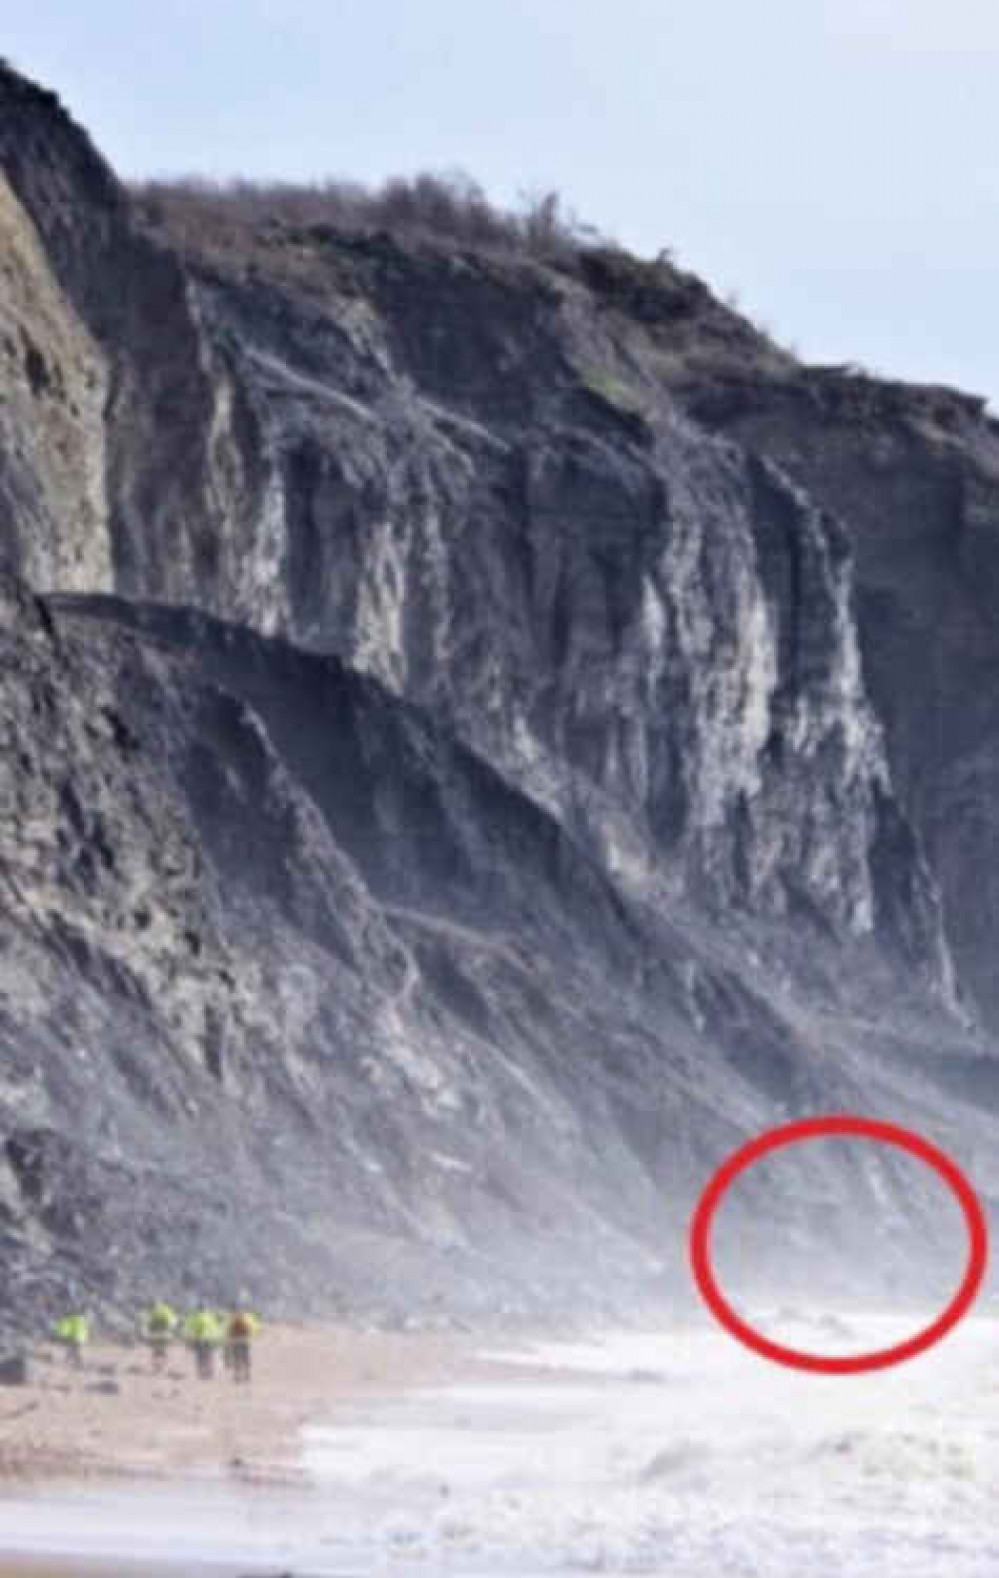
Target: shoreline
column 97, row 1483
column 116, row 1421
column 115, row 1435
column 500, row 1454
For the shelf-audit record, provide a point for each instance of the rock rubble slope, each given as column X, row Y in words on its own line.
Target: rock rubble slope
column 484, row 734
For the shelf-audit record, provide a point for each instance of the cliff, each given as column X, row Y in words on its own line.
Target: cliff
column 486, row 733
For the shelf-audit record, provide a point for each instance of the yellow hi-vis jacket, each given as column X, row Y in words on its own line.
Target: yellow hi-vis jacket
column 203, row 1326
column 161, row 1321
column 73, row 1328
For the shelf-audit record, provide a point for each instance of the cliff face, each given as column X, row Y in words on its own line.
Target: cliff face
column 465, row 767
column 915, row 474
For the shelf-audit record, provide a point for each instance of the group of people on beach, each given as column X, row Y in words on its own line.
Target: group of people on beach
column 207, row 1332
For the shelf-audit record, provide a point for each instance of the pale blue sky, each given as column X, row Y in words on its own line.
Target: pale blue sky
column 837, row 164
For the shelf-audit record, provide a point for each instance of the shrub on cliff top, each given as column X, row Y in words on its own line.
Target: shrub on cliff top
column 450, row 207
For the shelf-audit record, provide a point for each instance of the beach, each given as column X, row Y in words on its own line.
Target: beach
column 116, row 1419
column 114, row 1470
column 673, row 1452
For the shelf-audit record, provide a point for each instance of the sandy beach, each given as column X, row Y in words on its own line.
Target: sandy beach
column 116, row 1446
column 117, row 1424
column 673, row 1452
column 116, row 1419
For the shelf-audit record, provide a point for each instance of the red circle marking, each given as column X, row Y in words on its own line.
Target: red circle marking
column 817, row 1128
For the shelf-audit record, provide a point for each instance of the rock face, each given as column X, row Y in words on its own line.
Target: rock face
column 466, row 765
column 915, row 474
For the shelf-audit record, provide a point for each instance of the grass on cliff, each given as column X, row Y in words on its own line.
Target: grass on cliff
column 204, row 214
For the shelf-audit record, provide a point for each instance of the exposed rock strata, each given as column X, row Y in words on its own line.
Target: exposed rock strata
column 464, row 759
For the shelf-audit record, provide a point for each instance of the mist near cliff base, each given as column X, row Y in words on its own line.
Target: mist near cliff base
column 856, row 1225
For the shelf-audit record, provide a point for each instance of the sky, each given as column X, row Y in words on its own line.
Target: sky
column 831, row 162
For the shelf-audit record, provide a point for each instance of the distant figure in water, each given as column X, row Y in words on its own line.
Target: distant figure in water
column 203, row 1332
